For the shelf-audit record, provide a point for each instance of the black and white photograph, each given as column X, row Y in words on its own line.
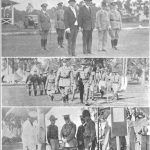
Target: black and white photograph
column 75, row 128
column 75, row 81
column 82, row 28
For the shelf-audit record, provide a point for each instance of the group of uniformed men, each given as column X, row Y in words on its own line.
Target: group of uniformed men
column 75, row 18
column 86, row 80
column 82, row 139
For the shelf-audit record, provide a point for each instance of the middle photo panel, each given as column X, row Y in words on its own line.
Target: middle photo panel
column 75, row 81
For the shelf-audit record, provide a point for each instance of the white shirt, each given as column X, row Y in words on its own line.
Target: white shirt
column 75, row 14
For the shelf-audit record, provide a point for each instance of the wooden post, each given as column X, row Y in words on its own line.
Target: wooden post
column 118, row 142
column 12, row 15
column 41, row 130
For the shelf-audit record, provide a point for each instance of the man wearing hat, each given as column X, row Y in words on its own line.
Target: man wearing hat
column 59, row 24
column 52, row 134
column 44, row 25
column 80, row 136
column 28, row 82
column 85, row 73
column 87, row 24
column 68, row 132
column 71, row 26
column 116, row 25
column 89, row 131
column 64, row 80
column 102, row 24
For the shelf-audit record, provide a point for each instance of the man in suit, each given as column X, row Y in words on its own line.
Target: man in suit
column 87, row 24
column 44, row 25
column 102, row 24
column 71, row 25
column 59, row 24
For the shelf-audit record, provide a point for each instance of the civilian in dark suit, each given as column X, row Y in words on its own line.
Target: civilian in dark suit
column 44, row 25
column 71, row 25
column 87, row 23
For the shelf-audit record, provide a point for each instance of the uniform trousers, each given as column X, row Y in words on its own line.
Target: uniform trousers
column 44, row 34
column 87, row 41
column 114, row 34
column 60, row 38
column 54, row 143
column 102, row 39
column 72, row 40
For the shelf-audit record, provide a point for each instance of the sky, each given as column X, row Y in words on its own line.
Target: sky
column 37, row 3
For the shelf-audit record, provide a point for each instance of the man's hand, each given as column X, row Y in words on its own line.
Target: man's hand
column 68, row 30
column 64, row 140
column 90, row 144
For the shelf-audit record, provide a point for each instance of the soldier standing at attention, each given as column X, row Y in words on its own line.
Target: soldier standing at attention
column 63, row 81
column 44, row 25
column 29, row 83
column 52, row 134
column 87, row 24
column 80, row 136
column 59, row 24
column 103, row 25
column 115, row 23
column 90, row 131
column 41, row 84
column 44, row 80
column 68, row 132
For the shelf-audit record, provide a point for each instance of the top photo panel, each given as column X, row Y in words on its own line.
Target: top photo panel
column 81, row 28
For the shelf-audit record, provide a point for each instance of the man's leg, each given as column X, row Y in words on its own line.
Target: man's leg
column 45, row 39
column 116, row 38
column 112, row 35
column 42, row 40
column 74, row 37
column 89, row 41
column 84, row 37
column 62, row 37
column 62, row 91
column 105, row 35
column 100, row 35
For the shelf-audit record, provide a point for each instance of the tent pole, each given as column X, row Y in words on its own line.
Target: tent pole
column 12, row 15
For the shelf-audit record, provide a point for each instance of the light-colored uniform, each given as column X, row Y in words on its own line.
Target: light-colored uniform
column 102, row 24
column 115, row 23
column 50, row 84
column 63, row 80
column 29, row 136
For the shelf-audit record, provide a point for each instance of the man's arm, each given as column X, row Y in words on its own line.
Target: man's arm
column 80, row 17
column 72, row 133
column 93, row 131
column 66, row 17
column 48, row 135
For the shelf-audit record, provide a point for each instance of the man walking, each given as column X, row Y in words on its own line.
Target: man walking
column 71, row 25
column 87, row 24
column 44, row 25
column 102, row 24
column 116, row 25
column 59, row 24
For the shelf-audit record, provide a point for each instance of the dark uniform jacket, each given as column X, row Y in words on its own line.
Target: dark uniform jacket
column 80, row 137
column 44, row 21
column 86, row 18
column 52, row 132
column 69, row 18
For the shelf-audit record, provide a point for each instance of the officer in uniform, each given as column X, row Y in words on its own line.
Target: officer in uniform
column 80, row 136
column 68, row 132
column 116, row 25
column 44, row 80
column 52, row 134
column 50, row 85
column 85, row 73
column 44, row 25
column 59, row 24
column 29, row 83
column 89, row 131
column 64, row 80
column 41, row 84
column 102, row 24
column 35, row 82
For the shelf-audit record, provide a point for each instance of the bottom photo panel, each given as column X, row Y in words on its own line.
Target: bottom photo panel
column 75, row 128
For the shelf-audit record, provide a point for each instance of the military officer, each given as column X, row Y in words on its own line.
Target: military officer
column 29, row 83
column 50, row 85
column 44, row 80
column 64, row 80
column 85, row 73
column 59, row 24
column 80, row 137
column 41, row 84
column 103, row 25
column 44, row 25
column 68, row 132
column 35, row 82
column 116, row 25
column 52, row 133
column 89, row 131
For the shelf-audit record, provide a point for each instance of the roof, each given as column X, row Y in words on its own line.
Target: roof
column 6, row 3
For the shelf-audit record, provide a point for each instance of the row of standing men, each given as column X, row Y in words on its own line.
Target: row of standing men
column 73, row 19
column 67, row 80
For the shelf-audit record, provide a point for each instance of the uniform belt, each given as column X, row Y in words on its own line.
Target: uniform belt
column 114, row 20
